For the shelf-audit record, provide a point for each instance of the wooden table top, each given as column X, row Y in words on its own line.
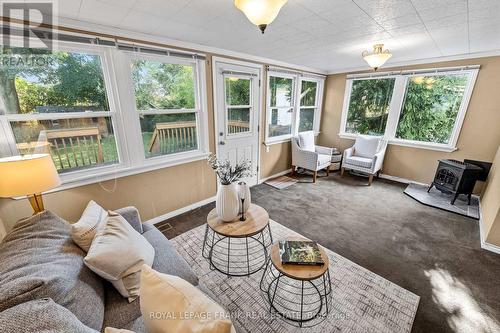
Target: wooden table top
column 257, row 219
column 299, row 272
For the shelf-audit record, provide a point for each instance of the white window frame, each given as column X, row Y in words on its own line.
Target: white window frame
column 398, row 97
column 124, row 117
column 295, row 104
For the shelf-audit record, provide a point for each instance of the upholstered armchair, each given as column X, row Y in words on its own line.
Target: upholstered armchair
column 366, row 156
column 306, row 155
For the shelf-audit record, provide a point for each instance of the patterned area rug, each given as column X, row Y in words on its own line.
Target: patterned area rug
column 361, row 300
column 437, row 199
column 281, row 182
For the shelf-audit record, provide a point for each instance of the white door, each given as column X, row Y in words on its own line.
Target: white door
column 237, row 103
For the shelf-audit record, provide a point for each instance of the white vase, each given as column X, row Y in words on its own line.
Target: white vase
column 226, row 203
column 244, row 191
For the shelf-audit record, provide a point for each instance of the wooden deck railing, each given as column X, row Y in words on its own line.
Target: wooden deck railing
column 173, row 137
column 238, row 126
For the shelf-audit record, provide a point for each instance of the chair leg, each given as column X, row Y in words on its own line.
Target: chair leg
column 328, row 171
column 341, row 171
column 370, row 180
column 293, row 170
column 315, row 174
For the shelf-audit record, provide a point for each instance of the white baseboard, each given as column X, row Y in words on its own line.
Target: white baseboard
column 180, row 211
column 401, row 180
column 484, row 244
column 282, row 173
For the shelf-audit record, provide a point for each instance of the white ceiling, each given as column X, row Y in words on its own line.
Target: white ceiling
column 324, row 34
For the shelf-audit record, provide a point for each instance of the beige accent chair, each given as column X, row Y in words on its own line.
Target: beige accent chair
column 307, row 155
column 366, row 156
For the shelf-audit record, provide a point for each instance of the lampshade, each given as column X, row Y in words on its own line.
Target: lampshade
column 26, row 175
column 260, row 12
column 378, row 57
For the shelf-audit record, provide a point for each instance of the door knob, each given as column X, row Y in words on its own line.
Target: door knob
column 222, row 143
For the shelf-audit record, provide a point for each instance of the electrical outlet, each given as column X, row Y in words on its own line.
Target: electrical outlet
column 267, row 149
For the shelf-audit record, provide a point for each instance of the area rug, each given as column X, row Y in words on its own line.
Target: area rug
column 362, row 301
column 281, row 182
column 437, row 199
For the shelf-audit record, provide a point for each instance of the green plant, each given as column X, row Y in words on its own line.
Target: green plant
column 226, row 172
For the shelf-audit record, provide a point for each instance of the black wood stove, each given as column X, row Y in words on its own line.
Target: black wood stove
column 456, row 177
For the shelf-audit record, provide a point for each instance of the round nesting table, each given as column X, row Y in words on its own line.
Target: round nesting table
column 238, row 248
column 300, row 294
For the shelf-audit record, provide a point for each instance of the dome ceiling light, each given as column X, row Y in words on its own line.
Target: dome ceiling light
column 378, row 57
column 260, row 12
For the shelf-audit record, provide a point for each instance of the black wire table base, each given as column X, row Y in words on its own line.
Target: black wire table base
column 299, row 303
column 236, row 256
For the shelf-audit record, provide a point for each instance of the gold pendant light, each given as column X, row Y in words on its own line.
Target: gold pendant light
column 378, row 57
column 260, row 12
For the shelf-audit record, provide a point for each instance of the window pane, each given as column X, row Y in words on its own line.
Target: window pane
column 308, row 93
column 237, row 91
column 238, row 120
column 161, row 85
column 165, row 134
column 73, row 143
column 34, row 80
column 281, row 90
column 369, row 106
column 306, row 119
column 280, row 122
column 430, row 107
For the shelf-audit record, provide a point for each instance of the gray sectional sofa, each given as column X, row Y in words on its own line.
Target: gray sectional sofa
column 44, row 281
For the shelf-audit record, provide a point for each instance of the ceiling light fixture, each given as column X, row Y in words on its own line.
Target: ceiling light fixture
column 260, row 12
column 378, row 57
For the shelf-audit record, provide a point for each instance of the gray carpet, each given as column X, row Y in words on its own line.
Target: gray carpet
column 437, row 199
column 361, row 300
column 433, row 253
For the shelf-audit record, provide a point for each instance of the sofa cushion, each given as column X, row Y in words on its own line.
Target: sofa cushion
column 38, row 259
column 324, row 159
column 41, row 316
column 366, row 145
column 117, row 254
column 306, row 141
column 359, row 161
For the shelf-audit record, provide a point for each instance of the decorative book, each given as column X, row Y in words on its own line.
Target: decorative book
column 300, row 253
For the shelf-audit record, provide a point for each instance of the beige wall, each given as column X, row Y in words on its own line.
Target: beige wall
column 490, row 204
column 479, row 138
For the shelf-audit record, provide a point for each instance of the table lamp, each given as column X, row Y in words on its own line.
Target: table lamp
column 28, row 175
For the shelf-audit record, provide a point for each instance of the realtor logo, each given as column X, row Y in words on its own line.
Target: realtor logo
column 30, row 23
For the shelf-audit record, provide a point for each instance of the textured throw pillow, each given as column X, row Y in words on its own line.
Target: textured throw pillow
column 41, row 315
column 116, row 330
column 366, row 146
column 83, row 231
column 118, row 253
column 306, row 141
column 170, row 304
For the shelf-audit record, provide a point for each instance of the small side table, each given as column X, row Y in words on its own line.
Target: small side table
column 238, row 248
column 300, row 294
column 336, row 160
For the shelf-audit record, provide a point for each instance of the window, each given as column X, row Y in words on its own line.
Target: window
column 238, row 104
column 420, row 108
column 369, row 106
column 56, row 103
column 165, row 99
column 293, row 104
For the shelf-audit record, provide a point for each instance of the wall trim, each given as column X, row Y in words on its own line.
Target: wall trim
column 180, row 211
column 400, row 179
column 282, row 173
column 484, row 244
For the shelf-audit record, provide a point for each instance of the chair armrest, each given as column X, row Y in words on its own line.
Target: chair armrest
column 378, row 160
column 324, row 150
column 131, row 215
column 348, row 152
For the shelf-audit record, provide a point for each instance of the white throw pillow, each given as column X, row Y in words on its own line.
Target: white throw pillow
column 118, row 253
column 116, row 330
column 170, row 304
column 306, row 141
column 92, row 219
column 366, row 146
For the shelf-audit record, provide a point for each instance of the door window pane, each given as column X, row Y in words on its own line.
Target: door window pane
column 308, row 93
column 281, row 121
column 431, row 107
column 306, row 119
column 369, row 106
column 40, row 81
column 281, row 91
column 161, row 85
column 237, row 91
column 165, row 134
column 74, row 144
column 238, row 120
